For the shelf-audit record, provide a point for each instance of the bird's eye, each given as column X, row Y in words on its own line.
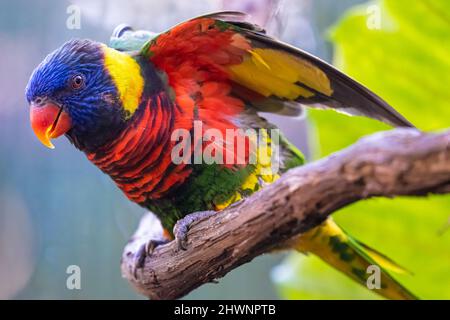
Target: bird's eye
column 77, row 82
column 38, row 101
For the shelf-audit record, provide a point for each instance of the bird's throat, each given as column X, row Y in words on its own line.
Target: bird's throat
column 139, row 159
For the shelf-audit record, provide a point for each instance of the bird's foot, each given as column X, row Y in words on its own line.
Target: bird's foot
column 149, row 235
column 181, row 228
column 144, row 251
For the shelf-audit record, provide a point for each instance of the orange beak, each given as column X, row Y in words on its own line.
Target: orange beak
column 49, row 121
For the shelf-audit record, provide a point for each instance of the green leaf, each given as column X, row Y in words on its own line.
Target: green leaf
column 407, row 63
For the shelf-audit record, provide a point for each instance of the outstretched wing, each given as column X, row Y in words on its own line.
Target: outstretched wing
column 266, row 74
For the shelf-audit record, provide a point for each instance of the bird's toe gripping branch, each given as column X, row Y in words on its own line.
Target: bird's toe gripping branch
column 182, row 226
column 145, row 251
column 147, row 237
column 150, row 235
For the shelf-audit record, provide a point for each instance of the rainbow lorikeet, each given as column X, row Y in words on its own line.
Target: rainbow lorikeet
column 121, row 107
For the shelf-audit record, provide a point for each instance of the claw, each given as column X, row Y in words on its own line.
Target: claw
column 181, row 228
column 143, row 252
column 138, row 261
column 181, row 239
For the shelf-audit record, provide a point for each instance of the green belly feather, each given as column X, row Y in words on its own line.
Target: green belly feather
column 214, row 186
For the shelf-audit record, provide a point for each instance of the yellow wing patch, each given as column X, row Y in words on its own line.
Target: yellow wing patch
column 274, row 72
column 263, row 171
column 126, row 74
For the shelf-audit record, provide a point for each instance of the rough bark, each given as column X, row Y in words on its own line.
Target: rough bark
column 402, row 162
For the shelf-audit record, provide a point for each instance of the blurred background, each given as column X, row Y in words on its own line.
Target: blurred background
column 57, row 210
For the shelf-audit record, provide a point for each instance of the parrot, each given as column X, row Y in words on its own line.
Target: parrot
column 121, row 105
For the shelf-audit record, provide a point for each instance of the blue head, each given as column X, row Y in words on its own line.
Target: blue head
column 72, row 92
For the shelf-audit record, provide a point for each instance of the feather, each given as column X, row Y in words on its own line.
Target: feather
column 267, row 74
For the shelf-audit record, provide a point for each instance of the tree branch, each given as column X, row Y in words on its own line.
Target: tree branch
column 388, row 164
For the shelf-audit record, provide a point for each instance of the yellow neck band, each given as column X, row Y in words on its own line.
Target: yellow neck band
column 126, row 75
